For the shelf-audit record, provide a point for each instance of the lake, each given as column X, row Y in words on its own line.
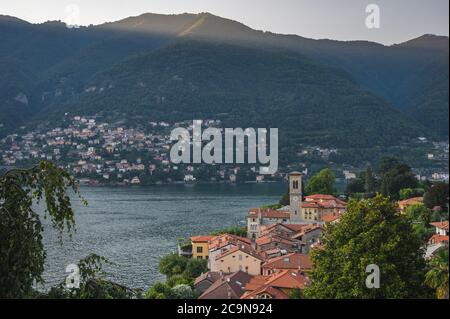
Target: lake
column 134, row 226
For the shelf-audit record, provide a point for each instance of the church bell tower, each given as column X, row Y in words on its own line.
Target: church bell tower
column 295, row 196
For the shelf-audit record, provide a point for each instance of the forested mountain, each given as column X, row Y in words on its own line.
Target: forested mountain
column 184, row 66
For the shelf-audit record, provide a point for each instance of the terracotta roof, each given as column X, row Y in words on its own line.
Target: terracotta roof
column 273, row 292
column 328, row 218
column 321, row 196
column 223, row 240
column 438, row 239
column 267, row 213
column 267, row 239
column 293, row 261
column 286, row 279
column 246, row 249
column 210, row 276
column 410, row 201
column 441, row 225
column 307, row 229
column 226, row 287
column 296, row 227
column 201, row 239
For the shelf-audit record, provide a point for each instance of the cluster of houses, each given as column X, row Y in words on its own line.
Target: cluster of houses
column 97, row 152
column 274, row 259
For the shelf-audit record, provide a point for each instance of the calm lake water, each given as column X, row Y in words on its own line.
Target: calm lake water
column 133, row 227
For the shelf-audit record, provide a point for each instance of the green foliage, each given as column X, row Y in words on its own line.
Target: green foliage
column 420, row 218
column 238, row 231
column 394, row 177
column 284, row 201
column 175, row 265
column 164, row 291
column 438, row 274
column 296, row 293
column 195, row 267
column 272, row 206
column 371, row 232
column 172, row 264
column 178, row 280
column 406, row 193
column 322, row 183
column 183, row 291
column 437, row 195
column 159, row 290
column 22, row 254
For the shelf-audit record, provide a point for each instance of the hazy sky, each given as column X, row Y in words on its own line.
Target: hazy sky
column 400, row 20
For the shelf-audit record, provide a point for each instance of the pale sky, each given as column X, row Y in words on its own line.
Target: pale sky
column 400, row 20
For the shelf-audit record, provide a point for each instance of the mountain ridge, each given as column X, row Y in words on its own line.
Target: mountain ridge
column 410, row 76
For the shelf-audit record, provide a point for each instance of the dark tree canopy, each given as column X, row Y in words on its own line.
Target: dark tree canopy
column 437, row 195
column 371, row 232
column 22, row 253
column 322, row 183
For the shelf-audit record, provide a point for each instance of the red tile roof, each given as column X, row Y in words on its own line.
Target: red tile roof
column 201, row 239
column 292, row 261
column 285, row 279
column 328, row 218
column 438, row 239
column 320, row 197
column 223, row 240
column 267, row 213
column 227, row 287
column 411, row 201
column 441, row 225
column 246, row 249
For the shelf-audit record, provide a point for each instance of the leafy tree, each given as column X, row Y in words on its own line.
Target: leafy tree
column 420, row 218
column 284, row 201
column 322, row 183
column 406, row 193
column 394, row 177
column 272, row 206
column 371, row 232
column 296, row 294
column 172, row 264
column 437, row 277
column 178, row 280
column 159, row 290
column 370, row 182
column 22, row 253
column 355, row 186
column 183, row 291
column 238, row 231
column 437, row 195
column 195, row 267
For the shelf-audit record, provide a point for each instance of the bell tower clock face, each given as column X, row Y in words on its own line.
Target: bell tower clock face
column 295, row 199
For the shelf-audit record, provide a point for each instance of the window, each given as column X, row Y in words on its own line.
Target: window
column 240, row 257
column 295, row 184
column 199, row 249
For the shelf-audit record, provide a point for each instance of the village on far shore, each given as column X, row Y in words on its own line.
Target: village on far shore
column 274, row 259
